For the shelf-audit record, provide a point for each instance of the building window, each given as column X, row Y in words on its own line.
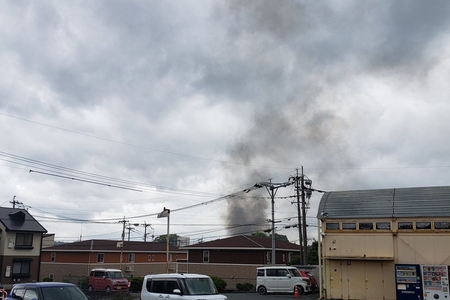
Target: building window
column 383, row 225
column 205, row 256
column 100, row 257
column 170, row 257
column 441, row 225
column 131, row 257
column 284, row 257
column 348, row 226
column 53, row 256
column 423, row 225
column 405, row 225
column 24, row 240
column 332, row 226
column 21, row 267
column 365, row 226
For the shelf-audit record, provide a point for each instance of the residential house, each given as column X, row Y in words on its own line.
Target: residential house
column 366, row 234
column 20, row 246
column 133, row 258
column 236, row 258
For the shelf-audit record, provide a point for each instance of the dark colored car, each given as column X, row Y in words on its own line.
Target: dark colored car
column 46, row 291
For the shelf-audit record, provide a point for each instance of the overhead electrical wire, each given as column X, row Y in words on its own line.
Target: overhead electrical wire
column 139, row 146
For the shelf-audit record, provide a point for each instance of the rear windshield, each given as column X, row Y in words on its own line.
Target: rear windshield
column 200, row 286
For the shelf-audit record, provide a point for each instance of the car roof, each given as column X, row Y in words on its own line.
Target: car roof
column 44, row 284
column 177, row 275
column 278, row 267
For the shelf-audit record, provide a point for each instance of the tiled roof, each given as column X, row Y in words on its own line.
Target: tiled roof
column 111, row 245
column 244, row 242
column 15, row 219
column 382, row 203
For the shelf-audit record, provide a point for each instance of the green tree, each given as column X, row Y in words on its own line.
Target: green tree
column 173, row 238
column 313, row 253
column 279, row 237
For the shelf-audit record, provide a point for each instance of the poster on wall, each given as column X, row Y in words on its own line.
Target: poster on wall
column 435, row 282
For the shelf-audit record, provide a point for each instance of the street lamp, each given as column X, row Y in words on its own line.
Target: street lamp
column 166, row 214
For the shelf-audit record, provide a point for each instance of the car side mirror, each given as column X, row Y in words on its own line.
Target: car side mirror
column 177, row 291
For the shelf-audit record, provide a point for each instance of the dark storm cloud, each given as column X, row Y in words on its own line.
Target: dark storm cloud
column 324, row 44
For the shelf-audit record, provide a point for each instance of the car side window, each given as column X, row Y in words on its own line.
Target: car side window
column 172, row 285
column 148, row 285
column 30, row 294
column 17, row 293
column 158, row 286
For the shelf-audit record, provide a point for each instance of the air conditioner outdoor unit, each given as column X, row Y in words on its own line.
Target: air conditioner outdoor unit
column 129, row 268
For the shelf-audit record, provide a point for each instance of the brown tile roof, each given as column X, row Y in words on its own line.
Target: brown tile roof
column 111, row 246
column 244, row 242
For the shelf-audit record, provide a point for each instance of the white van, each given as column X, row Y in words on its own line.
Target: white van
column 281, row 279
column 179, row 287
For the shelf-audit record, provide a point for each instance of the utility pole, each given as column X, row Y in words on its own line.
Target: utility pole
column 123, row 240
column 145, row 230
column 300, row 235
column 305, row 237
column 272, row 189
column 14, row 202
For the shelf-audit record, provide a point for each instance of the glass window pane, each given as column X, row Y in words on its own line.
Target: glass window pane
column 423, row 225
column 383, row 225
column 348, row 226
column 441, row 225
column 365, row 226
column 405, row 225
column 332, row 226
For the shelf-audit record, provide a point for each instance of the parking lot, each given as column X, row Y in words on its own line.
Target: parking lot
column 256, row 296
column 230, row 296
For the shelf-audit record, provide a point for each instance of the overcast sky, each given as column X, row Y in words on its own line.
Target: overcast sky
column 122, row 108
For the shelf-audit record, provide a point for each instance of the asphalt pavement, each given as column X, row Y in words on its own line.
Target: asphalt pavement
column 256, row 296
column 230, row 296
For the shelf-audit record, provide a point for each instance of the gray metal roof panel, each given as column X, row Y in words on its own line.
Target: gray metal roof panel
column 379, row 203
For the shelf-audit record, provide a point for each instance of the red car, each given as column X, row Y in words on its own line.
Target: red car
column 312, row 279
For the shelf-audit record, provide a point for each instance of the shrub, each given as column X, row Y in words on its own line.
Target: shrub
column 244, row 286
column 136, row 284
column 219, row 283
column 47, row 279
column 83, row 283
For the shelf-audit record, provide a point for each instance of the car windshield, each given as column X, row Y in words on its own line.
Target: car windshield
column 115, row 274
column 295, row 273
column 63, row 293
column 200, row 286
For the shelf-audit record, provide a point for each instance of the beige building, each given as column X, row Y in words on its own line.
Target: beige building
column 20, row 246
column 365, row 234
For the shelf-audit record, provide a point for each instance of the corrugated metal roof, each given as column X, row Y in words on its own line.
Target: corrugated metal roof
column 382, row 203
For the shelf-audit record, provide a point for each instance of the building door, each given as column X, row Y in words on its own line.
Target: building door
column 356, row 279
column 335, row 279
column 374, row 280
